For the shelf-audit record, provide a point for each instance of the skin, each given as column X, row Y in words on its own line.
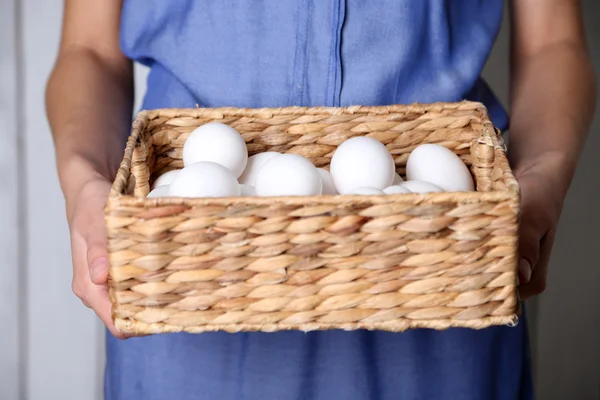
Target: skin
column 552, row 103
column 89, row 101
column 90, row 96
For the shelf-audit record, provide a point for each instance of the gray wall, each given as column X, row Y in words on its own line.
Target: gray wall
column 10, row 293
column 57, row 341
column 52, row 348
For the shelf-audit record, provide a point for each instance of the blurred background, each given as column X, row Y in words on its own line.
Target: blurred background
column 51, row 347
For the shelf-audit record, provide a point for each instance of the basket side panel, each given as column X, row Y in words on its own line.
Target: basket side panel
column 128, row 174
column 390, row 266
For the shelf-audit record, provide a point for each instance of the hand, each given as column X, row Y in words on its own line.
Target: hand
column 542, row 198
column 89, row 248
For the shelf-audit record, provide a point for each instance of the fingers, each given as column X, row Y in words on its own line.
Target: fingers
column 537, row 284
column 529, row 251
column 96, row 297
column 540, row 210
column 103, row 308
column 535, row 223
column 90, row 254
column 524, row 271
column 530, row 257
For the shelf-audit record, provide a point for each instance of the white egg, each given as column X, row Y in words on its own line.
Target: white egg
column 159, row 191
column 247, row 190
column 328, row 187
column 437, row 164
column 361, row 162
column 421, row 187
column 397, row 180
column 396, row 189
column 366, row 191
column 288, row 175
column 218, row 143
column 205, row 179
column 166, row 178
column 254, row 164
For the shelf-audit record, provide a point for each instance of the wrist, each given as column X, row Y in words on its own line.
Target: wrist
column 79, row 180
column 75, row 171
column 79, row 159
column 556, row 167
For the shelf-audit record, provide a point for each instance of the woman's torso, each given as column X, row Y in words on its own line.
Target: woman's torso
column 270, row 53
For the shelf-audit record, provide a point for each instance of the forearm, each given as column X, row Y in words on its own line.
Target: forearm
column 552, row 104
column 89, row 104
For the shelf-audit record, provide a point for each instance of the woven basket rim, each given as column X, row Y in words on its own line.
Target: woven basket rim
column 316, row 110
column 490, row 136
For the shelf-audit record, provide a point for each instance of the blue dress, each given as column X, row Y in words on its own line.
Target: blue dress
column 270, row 53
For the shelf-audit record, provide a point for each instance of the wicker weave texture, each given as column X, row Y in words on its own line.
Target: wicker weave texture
column 391, row 262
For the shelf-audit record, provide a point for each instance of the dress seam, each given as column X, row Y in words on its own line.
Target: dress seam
column 332, row 95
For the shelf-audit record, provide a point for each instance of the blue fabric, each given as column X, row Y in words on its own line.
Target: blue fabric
column 267, row 53
column 273, row 53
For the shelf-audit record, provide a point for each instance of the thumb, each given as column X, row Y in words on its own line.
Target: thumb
column 97, row 256
column 529, row 252
column 97, row 252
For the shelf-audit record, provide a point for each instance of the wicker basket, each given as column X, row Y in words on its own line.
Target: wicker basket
column 392, row 262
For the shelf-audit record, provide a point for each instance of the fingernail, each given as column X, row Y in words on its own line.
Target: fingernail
column 98, row 266
column 524, row 271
